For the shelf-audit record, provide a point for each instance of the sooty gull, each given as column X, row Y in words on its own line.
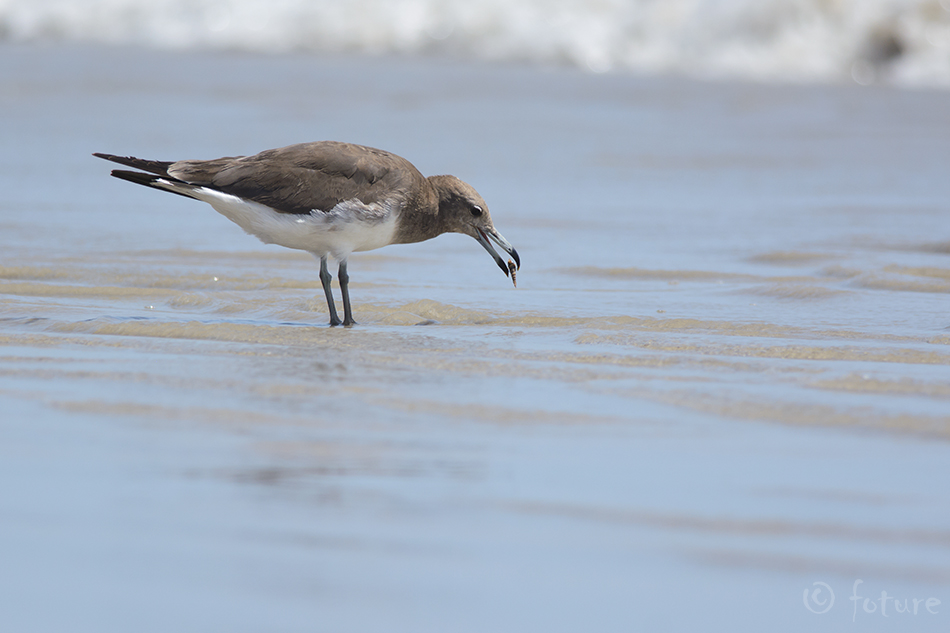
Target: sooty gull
column 329, row 199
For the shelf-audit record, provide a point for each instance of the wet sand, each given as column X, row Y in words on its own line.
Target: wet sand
column 722, row 378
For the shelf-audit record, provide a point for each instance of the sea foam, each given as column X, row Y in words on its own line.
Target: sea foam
column 902, row 42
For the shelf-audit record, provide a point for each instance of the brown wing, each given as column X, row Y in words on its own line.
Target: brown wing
column 301, row 178
column 151, row 166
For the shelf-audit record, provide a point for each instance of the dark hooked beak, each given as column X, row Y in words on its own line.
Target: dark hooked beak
column 483, row 235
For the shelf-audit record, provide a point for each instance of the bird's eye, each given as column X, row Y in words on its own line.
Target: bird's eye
column 476, row 210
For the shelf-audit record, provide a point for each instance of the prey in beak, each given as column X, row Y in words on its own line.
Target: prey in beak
column 484, row 235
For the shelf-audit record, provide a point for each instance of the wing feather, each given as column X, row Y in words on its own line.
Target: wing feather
column 299, row 179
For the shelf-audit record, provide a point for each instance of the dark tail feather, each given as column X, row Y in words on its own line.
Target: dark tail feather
column 152, row 166
column 147, row 179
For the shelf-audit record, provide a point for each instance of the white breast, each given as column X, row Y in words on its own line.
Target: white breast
column 346, row 228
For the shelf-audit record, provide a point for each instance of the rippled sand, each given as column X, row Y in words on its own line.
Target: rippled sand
column 723, row 375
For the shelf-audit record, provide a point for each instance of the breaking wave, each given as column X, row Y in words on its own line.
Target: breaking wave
column 902, row 42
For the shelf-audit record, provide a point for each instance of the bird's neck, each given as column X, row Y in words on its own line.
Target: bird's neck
column 420, row 219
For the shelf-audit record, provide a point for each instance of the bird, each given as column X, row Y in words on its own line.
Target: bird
column 328, row 198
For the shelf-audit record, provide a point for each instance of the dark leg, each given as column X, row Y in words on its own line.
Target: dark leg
column 345, row 290
column 325, row 280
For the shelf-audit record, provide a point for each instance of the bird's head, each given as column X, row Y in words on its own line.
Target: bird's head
column 464, row 211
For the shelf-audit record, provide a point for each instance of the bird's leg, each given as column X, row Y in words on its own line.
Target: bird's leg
column 325, row 280
column 345, row 291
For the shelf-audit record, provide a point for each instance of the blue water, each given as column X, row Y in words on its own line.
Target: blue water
column 721, row 378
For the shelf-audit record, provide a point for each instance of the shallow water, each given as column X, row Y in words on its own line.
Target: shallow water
column 723, row 375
